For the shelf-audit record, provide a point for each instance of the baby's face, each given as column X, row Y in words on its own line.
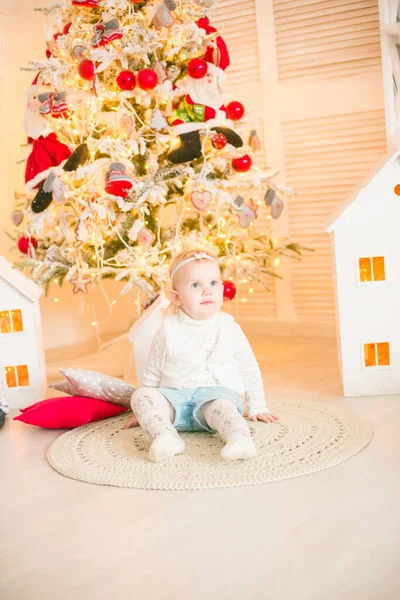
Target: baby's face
column 198, row 289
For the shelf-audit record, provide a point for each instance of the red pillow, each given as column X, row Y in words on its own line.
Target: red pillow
column 68, row 411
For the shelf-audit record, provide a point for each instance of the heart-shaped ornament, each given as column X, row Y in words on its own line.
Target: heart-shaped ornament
column 17, row 216
column 200, row 200
column 127, row 124
column 145, row 238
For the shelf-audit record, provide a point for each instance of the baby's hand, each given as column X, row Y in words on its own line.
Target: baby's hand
column 266, row 417
column 133, row 422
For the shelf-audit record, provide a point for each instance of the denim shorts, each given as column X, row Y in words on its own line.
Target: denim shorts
column 187, row 405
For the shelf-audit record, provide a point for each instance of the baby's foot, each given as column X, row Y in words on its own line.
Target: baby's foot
column 240, row 447
column 164, row 446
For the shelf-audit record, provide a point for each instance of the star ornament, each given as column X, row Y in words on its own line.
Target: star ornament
column 80, row 283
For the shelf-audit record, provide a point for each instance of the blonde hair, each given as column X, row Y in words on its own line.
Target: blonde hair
column 185, row 255
column 177, row 260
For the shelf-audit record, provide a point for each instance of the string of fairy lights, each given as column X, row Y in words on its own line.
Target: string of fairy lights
column 120, row 95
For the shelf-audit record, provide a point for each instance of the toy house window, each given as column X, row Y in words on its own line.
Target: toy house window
column 11, row 321
column 372, row 268
column 17, row 376
column 377, row 355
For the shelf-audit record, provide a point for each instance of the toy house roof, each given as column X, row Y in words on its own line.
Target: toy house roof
column 341, row 211
column 20, row 282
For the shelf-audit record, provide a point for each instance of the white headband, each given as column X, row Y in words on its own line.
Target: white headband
column 197, row 256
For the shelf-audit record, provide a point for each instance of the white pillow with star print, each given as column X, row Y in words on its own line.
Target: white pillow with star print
column 81, row 382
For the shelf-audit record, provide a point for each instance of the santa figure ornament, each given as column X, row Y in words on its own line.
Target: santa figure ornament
column 203, row 106
column 118, row 182
column 47, row 150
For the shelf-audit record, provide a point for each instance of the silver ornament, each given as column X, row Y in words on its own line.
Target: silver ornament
column 269, row 196
column 239, row 200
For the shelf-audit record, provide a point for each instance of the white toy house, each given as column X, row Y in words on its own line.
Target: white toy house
column 141, row 335
column 22, row 362
column 367, row 263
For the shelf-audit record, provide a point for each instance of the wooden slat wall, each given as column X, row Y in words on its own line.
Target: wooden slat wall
column 325, row 38
column 236, row 21
column 325, row 159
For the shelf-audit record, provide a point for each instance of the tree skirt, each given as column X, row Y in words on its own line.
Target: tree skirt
column 308, row 438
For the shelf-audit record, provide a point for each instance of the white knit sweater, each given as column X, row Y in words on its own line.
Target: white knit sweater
column 187, row 353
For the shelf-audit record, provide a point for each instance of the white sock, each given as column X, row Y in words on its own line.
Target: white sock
column 164, row 446
column 223, row 416
column 155, row 415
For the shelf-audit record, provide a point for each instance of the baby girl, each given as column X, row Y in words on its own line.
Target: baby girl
column 200, row 365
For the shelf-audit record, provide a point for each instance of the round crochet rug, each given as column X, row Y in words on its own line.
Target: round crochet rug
column 308, row 438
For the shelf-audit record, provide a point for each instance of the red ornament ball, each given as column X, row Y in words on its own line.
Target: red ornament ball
column 235, row 110
column 86, row 69
column 219, row 141
column 126, row 80
column 147, row 79
column 197, row 68
column 229, row 290
column 242, row 163
column 25, row 244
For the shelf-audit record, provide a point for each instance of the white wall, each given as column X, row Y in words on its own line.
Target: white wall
column 21, row 39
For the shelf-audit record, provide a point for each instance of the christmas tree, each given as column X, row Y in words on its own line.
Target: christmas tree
column 135, row 156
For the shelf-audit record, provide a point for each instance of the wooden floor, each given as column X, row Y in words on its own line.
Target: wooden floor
column 333, row 535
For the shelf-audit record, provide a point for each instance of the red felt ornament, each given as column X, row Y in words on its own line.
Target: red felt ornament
column 242, row 163
column 219, row 141
column 203, row 22
column 197, row 68
column 25, row 244
column 126, row 80
column 51, row 44
column 229, row 290
column 86, row 69
column 235, row 110
column 147, row 79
